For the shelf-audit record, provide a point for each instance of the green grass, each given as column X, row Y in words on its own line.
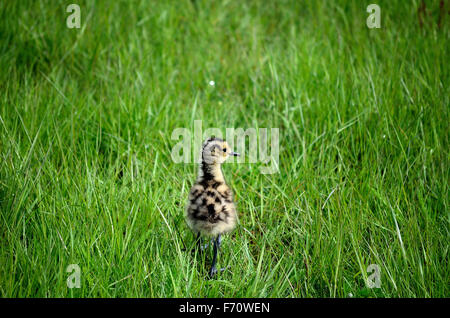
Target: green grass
column 86, row 175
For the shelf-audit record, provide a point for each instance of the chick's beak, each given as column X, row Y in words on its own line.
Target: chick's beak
column 234, row 154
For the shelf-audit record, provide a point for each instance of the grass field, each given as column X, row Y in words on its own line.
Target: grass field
column 86, row 175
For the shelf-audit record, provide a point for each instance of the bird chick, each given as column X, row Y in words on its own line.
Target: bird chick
column 211, row 210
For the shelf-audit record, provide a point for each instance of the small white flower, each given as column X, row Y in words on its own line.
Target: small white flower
column 211, row 83
column 384, row 136
column 350, row 295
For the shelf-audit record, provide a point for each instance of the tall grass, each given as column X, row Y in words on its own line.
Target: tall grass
column 86, row 174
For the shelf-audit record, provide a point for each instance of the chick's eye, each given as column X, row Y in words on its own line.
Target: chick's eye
column 224, row 149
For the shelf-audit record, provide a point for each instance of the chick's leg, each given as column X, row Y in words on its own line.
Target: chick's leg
column 213, row 269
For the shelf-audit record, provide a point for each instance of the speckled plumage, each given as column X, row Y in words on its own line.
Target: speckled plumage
column 211, row 210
